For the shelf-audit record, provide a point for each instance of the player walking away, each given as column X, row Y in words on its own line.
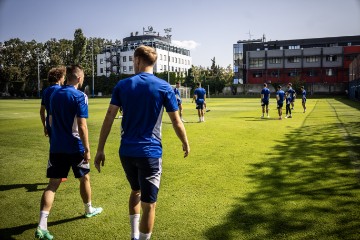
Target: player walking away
column 280, row 94
column 69, row 146
column 179, row 100
column 56, row 78
column 265, row 97
column 140, row 148
column 288, row 101
column 200, row 97
column 292, row 95
column 303, row 99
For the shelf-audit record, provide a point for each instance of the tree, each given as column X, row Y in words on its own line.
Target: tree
column 79, row 47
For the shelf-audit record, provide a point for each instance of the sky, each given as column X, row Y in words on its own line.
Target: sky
column 208, row 28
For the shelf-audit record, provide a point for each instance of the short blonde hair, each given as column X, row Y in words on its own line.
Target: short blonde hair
column 147, row 54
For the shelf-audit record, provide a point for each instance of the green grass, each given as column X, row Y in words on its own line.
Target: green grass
column 245, row 178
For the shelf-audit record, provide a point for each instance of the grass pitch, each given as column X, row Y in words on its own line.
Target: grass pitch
column 245, row 177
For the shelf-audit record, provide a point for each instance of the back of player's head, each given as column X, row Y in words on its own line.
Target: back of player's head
column 289, row 84
column 265, row 85
column 56, row 73
column 278, row 87
column 73, row 72
column 302, row 87
column 177, row 82
column 198, row 84
column 147, row 54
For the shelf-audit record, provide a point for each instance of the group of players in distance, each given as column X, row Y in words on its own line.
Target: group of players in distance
column 281, row 96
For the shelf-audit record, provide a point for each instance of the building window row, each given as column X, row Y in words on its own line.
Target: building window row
column 175, row 59
column 330, row 72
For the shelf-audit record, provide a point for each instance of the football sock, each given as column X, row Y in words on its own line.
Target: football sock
column 43, row 219
column 134, row 222
column 145, row 236
column 88, row 207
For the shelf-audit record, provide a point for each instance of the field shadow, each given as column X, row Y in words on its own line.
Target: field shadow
column 30, row 187
column 306, row 185
column 11, row 233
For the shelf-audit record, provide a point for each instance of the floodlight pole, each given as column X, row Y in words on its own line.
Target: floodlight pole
column 168, row 36
column 92, row 58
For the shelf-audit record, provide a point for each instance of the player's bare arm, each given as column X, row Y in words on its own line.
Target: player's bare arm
column 104, row 133
column 180, row 131
column 84, row 136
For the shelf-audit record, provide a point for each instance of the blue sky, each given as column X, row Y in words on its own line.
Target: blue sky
column 207, row 28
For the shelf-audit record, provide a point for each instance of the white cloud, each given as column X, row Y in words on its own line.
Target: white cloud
column 187, row 44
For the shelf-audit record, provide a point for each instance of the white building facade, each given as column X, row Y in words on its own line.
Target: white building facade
column 118, row 59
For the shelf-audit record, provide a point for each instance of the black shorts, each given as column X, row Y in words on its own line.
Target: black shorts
column 199, row 105
column 280, row 105
column 265, row 103
column 59, row 165
column 143, row 174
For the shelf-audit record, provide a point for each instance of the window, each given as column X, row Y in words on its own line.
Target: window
column 311, row 73
column 160, row 67
column 101, row 60
column 256, row 62
column 293, row 59
column 310, row 59
column 164, row 57
column 330, row 72
column 172, row 59
column 293, row 73
column 164, row 67
column 274, row 60
column 275, row 73
column 172, row 68
column 124, row 68
column 257, row 74
column 130, row 58
column 294, row 47
column 160, row 56
column 331, row 58
column 124, row 58
column 101, row 70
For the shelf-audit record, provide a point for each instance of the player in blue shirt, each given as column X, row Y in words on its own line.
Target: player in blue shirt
column 288, row 102
column 56, row 78
column 179, row 100
column 143, row 98
column 292, row 93
column 200, row 97
column 265, row 97
column 69, row 146
column 303, row 99
column 280, row 96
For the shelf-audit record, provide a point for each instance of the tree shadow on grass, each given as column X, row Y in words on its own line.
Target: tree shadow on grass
column 32, row 187
column 10, row 233
column 307, row 189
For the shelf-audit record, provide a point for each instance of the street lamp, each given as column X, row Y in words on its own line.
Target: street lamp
column 38, row 71
column 168, row 36
column 92, row 60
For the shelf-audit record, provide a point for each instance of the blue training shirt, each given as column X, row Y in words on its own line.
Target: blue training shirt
column 142, row 98
column 266, row 93
column 281, row 95
column 177, row 95
column 45, row 101
column 200, row 93
column 66, row 105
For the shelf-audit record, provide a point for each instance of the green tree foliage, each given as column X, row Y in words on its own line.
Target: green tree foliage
column 79, row 47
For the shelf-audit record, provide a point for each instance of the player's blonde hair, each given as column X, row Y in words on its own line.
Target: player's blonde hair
column 147, row 54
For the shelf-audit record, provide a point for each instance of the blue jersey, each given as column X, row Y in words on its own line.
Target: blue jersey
column 142, row 98
column 291, row 92
column 66, row 105
column 281, row 95
column 177, row 95
column 45, row 101
column 266, row 93
column 303, row 94
column 200, row 93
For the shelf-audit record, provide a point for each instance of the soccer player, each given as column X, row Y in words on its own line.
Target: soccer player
column 303, row 99
column 288, row 102
column 178, row 99
column 69, row 146
column 200, row 97
column 56, row 78
column 143, row 98
column 280, row 100
column 292, row 93
column 265, row 97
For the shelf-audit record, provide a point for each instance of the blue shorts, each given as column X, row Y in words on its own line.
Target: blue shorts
column 144, row 175
column 59, row 165
column 265, row 103
column 200, row 105
column 280, row 105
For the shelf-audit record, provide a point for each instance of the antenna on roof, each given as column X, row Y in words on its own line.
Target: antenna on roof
column 250, row 35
